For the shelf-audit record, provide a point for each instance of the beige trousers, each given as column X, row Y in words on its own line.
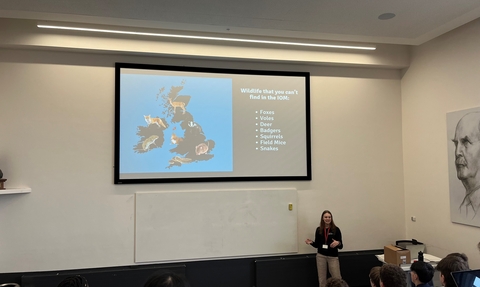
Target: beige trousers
column 333, row 267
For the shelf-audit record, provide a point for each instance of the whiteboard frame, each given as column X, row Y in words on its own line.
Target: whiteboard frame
column 194, row 225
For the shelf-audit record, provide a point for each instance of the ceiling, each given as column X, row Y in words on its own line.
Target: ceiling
column 416, row 21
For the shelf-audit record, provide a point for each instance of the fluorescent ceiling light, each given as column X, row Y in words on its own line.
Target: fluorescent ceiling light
column 206, row 37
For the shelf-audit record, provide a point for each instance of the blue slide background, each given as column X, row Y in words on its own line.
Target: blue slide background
column 210, row 105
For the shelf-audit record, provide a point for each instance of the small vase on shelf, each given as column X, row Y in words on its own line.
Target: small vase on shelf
column 2, row 180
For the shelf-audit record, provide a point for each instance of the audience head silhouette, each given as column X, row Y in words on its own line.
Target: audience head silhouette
column 375, row 276
column 421, row 272
column 166, row 279
column 450, row 263
column 74, row 281
column 336, row 282
column 392, row 275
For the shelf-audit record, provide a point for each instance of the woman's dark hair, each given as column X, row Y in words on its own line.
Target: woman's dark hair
column 424, row 271
column 74, row 281
column 322, row 223
column 166, row 279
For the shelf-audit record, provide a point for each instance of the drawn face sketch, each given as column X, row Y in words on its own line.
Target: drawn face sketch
column 467, row 150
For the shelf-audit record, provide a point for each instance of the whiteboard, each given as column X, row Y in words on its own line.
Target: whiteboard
column 173, row 226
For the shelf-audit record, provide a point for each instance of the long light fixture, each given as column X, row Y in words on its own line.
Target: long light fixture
column 206, row 37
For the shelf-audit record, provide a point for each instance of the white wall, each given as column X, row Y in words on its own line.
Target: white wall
column 443, row 77
column 57, row 137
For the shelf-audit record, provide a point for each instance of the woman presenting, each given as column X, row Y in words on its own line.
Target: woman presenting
column 328, row 239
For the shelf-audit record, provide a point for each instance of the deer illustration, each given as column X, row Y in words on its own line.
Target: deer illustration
column 176, row 105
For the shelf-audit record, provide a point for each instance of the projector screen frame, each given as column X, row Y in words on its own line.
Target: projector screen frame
column 207, row 177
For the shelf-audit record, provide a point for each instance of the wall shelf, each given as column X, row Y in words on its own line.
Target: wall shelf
column 15, row 190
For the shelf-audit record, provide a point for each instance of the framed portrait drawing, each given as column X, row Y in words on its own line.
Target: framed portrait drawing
column 463, row 132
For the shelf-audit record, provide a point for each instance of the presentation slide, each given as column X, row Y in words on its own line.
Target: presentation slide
column 201, row 124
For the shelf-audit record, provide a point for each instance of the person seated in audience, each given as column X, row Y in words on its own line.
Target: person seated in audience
column 336, row 282
column 452, row 262
column 74, row 281
column 392, row 275
column 375, row 276
column 166, row 279
column 421, row 273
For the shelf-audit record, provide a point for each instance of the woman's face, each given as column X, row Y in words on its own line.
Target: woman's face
column 327, row 218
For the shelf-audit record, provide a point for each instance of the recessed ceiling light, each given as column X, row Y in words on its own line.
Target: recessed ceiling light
column 386, row 16
column 124, row 32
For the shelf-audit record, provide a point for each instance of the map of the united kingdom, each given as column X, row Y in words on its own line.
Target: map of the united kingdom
column 178, row 126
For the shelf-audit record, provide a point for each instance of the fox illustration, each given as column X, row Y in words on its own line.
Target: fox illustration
column 158, row 121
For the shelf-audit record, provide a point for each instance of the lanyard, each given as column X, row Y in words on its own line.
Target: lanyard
column 325, row 233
